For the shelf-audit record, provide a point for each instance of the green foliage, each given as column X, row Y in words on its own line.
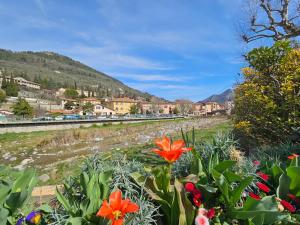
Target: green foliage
column 2, row 96
column 267, row 102
column 134, row 109
column 71, row 93
column 83, row 197
column 56, row 70
column 22, row 108
column 176, row 207
column 88, row 108
column 14, row 195
column 69, row 105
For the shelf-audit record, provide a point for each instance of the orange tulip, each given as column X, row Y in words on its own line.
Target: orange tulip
column 117, row 208
column 293, row 156
column 170, row 151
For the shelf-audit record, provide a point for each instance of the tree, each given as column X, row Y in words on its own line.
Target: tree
column 69, row 105
column 2, row 96
column 176, row 111
column 12, row 89
column 267, row 102
column 184, row 105
column 134, row 109
column 71, row 93
column 275, row 19
column 22, row 108
column 88, row 108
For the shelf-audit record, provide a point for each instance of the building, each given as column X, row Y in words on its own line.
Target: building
column 101, row 110
column 199, row 109
column 166, row 108
column 93, row 101
column 22, row 82
column 121, row 105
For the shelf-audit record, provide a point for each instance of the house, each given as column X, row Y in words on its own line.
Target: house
column 22, row 82
column 166, row 108
column 121, row 105
column 94, row 101
column 199, row 109
column 101, row 110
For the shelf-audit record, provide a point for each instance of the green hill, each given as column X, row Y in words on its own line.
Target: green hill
column 52, row 70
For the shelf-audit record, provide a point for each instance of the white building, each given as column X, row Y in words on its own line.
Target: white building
column 22, row 82
column 101, row 110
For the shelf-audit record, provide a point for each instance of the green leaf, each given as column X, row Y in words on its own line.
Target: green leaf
column 284, row 186
column 186, row 209
column 3, row 216
column 224, row 165
column 237, row 192
column 293, row 173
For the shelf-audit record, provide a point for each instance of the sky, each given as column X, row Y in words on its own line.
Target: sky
column 170, row 48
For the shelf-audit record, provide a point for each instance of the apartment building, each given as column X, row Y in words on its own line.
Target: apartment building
column 121, row 105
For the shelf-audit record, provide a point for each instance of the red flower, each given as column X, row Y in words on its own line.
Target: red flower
column 189, row 187
column 291, row 196
column 170, row 151
column 197, row 201
column 263, row 176
column 256, row 162
column 254, row 196
column 293, row 156
column 288, row 206
column 117, row 208
column 263, row 187
column 196, row 193
column 211, row 213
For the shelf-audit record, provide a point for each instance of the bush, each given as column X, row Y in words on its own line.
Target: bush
column 267, row 102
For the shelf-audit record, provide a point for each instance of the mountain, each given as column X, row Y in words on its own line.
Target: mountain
column 53, row 70
column 220, row 98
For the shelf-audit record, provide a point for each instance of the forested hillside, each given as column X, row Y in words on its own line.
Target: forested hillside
column 52, row 70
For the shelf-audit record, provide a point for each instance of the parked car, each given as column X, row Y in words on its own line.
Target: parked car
column 72, row 117
column 58, row 118
column 102, row 118
column 45, row 118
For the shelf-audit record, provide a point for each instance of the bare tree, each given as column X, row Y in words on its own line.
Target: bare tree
column 275, row 19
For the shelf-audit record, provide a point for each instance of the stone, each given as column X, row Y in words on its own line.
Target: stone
column 44, row 178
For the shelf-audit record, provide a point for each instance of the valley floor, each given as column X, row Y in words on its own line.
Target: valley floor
column 57, row 154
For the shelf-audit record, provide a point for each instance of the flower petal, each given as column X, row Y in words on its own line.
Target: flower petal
column 115, row 199
column 105, row 210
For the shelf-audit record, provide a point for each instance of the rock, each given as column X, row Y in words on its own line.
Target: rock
column 6, row 155
column 44, row 178
column 13, row 159
column 97, row 139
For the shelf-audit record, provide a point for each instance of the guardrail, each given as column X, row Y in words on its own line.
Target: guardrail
column 63, row 122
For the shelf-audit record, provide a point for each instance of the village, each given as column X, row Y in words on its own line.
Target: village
column 71, row 103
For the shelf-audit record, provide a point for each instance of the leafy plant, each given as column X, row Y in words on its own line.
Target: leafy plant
column 14, row 195
column 83, row 196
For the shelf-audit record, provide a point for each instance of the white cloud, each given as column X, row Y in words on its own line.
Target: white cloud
column 111, row 56
column 152, row 77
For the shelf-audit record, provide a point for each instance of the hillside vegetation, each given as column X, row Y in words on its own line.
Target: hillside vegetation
column 52, row 70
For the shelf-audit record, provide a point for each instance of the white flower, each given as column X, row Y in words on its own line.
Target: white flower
column 201, row 220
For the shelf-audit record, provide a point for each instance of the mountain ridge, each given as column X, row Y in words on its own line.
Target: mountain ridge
column 221, row 98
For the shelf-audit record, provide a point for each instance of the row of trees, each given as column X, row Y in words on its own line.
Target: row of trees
column 10, row 87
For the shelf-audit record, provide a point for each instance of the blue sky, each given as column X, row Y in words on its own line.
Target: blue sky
column 169, row 48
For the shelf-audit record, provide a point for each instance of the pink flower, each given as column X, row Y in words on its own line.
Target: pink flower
column 202, row 211
column 256, row 162
column 201, row 220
